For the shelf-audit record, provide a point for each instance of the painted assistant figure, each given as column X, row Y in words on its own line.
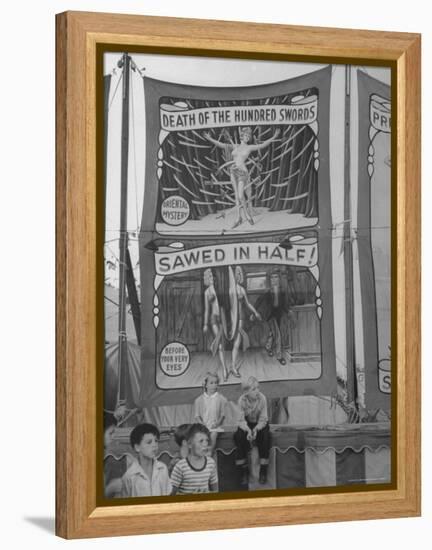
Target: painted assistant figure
column 273, row 307
column 244, row 306
column 239, row 174
column 212, row 320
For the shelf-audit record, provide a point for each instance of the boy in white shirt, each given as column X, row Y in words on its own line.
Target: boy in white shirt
column 146, row 476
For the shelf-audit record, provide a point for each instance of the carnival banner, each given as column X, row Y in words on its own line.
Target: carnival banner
column 374, row 237
column 235, row 240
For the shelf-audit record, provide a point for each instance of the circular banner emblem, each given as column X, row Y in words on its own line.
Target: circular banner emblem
column 175, row 210
column 174, row 359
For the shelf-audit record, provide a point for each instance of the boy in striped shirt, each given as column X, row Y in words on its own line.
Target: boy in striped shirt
column 197, row 472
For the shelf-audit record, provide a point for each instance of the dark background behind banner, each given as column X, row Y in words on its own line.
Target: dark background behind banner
column 189, row 172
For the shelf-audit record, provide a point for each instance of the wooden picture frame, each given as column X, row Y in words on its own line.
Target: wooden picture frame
column 79, row 321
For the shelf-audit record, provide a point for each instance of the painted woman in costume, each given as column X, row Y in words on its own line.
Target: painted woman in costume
column 244, row 306
column 239, row 174
column 212, row 319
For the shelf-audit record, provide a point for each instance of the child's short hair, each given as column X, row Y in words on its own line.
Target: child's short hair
column 108, row 420
column 210, row 375
column 139, row 432
column 181, row 434
column 249, row 384
column 197, row 429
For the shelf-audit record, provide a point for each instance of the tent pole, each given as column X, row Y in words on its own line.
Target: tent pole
column 123, row 242
column 348, row 258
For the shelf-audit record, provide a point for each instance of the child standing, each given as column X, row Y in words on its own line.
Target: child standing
column 196, row 473
column 147, row 476
column 253, row 425
column 209, row 408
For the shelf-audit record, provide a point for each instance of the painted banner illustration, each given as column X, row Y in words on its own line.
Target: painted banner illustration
column 374, row 237
column 235, row 241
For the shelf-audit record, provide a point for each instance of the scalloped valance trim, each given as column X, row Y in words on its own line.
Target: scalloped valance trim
column 283, row 450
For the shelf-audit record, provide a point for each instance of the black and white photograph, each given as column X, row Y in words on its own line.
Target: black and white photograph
column 247, row 276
